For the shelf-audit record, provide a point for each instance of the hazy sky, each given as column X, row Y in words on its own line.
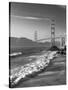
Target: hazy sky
column 27, row 18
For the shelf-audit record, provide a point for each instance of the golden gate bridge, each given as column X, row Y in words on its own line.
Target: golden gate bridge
column 52, row 38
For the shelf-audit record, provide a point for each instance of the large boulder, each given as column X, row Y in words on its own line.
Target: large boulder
column 54, row 48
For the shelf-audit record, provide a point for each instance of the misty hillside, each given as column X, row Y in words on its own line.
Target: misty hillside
column 24, row 42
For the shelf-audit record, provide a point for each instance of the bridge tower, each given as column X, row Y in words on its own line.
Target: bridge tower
column 62, row 42
column 35, row 36
column 53, row 33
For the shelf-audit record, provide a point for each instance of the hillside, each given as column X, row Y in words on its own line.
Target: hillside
column 27, row 45
column 24, row 42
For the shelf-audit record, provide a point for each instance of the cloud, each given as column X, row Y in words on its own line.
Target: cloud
column 30, row 18
column 63, row 6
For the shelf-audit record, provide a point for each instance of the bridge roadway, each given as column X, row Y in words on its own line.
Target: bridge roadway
column 59, row 37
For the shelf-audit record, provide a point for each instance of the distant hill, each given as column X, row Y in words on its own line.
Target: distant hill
column 24, row 42
column 27, row 45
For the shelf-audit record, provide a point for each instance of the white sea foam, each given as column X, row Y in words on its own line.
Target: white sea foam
column 15, row 53
column 41, row 62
